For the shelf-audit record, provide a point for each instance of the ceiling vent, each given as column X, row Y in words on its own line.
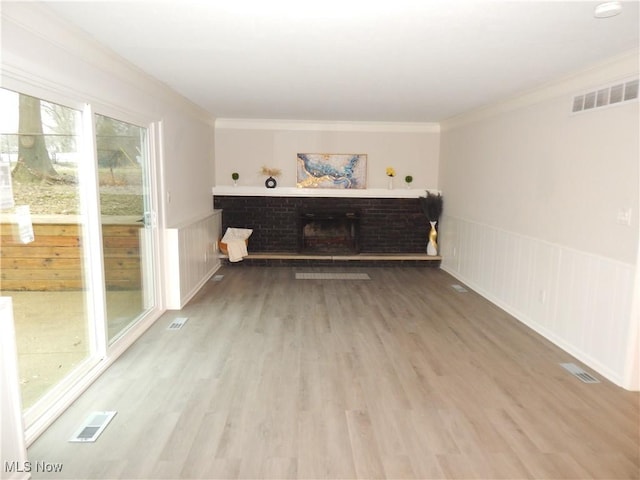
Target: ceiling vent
column 605, row 96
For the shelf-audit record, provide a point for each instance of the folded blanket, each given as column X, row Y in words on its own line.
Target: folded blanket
column 236, row 249
column 235, row 238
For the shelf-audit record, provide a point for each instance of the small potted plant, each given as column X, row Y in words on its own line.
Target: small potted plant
column 408, row 179
column 235, row 176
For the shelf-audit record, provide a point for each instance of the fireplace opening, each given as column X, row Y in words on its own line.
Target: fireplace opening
column 329, row 232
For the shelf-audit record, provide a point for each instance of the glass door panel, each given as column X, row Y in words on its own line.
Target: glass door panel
column 126, row 222
column 43, row 240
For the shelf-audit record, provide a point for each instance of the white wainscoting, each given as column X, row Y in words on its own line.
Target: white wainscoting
column 579, row 301
column 192, row 257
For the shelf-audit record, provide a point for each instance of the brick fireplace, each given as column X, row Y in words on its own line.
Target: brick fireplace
column 384, row 225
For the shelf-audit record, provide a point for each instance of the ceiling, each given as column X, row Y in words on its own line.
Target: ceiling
column 350, row 60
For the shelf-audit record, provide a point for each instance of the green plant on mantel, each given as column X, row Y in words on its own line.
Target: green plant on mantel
column 235, row 176
column 408, row 179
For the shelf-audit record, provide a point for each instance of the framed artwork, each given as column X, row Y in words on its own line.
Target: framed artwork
column 331, row 170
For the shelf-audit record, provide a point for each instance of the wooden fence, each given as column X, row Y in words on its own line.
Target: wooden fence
column 54, row 261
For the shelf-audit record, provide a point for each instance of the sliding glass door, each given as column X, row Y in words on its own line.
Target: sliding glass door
column 77, row 238
column 44, row 267
column 127, row 222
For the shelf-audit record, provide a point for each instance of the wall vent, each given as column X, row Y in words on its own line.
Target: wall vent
column 605, row 96
column 459, row 288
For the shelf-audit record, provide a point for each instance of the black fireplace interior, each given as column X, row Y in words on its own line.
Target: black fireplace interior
column 329, row 232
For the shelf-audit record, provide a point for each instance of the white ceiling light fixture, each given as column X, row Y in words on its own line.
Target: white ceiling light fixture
column 607, row 9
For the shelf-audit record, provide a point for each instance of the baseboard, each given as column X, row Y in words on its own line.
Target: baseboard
column 187, row 298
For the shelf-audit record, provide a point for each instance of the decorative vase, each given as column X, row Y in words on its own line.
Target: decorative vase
column 270, row 182
column 408, row 184
column 235, row 183
column 432, row 244
column 390, row 183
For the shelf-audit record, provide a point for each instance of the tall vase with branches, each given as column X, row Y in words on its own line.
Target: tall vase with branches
column 432, row 208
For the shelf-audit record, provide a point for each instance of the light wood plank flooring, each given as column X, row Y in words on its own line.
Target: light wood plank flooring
column 399, row 376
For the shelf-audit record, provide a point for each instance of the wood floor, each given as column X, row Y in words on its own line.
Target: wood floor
column 399, row 376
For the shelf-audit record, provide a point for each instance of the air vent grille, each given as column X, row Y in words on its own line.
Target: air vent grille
column 579, row 373
column 93, row 426
column 605, row 96
column 177, row 323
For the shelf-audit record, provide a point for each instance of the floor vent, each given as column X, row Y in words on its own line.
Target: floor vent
column 93, row 426
column 177, row 323
column 459, row 288
column 217, row 278
column 604, row 96
column 332, row 276
column 576, row 371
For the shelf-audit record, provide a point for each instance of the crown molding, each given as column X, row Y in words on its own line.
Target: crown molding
column 615, row 68
column 332, row 126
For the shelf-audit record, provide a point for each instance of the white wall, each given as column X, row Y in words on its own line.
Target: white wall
column 245, row 146
column 532, row 193
column 188, row 167
column 44, row 57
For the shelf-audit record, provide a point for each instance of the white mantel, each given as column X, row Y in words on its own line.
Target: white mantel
column 258, row 191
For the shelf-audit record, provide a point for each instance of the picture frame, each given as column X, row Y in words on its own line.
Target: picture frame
column 331, row 170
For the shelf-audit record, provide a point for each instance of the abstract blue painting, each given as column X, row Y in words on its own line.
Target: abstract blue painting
column 330, row 170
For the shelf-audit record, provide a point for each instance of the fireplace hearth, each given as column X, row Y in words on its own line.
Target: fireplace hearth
column 326, row 232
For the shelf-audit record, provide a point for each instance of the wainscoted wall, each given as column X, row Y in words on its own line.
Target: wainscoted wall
column 578, row 300
column 192, row 257
column 387, row 225
column 533, row 197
